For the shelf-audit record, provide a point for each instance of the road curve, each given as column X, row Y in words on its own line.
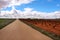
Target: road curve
column 17, row 30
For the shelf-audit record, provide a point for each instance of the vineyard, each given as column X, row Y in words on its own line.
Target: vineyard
column 51, row 26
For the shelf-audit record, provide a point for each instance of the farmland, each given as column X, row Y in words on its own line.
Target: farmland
column 4, row 22
column 50, row 27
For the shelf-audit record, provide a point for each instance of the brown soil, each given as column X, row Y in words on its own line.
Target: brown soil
column 20, row 31
column 52, row 25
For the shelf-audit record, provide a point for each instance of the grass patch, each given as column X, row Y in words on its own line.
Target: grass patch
column 4, row 22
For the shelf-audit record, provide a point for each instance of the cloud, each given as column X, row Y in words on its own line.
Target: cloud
column 29, row 13
column 3, row 3
column 9, row 3
column 19, row 2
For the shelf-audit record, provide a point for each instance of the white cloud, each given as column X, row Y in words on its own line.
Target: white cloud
column 9, row 3
column 29, row 13
column 19, row 2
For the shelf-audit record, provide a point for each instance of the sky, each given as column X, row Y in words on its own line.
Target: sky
column 30, row 8
column 43, row 5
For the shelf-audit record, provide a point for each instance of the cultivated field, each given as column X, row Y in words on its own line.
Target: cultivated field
column 50, row 28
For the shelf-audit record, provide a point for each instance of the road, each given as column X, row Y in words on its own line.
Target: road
column 18, row 30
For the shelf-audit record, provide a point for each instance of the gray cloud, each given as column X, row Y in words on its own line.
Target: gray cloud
column 3, row 3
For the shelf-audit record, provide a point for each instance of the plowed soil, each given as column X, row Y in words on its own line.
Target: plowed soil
column 51, row 25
